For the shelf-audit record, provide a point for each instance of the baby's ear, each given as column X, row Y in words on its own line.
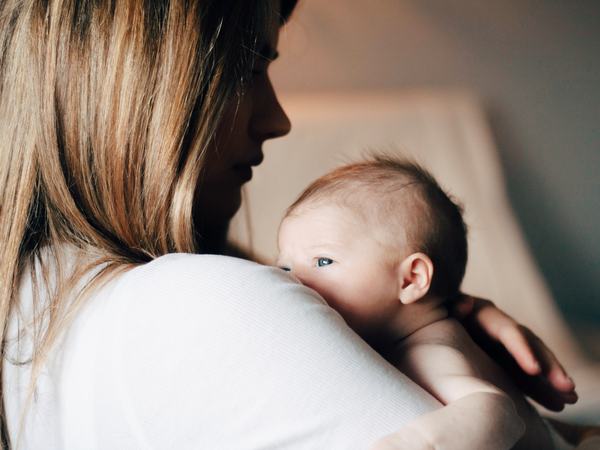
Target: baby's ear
column 415, row 273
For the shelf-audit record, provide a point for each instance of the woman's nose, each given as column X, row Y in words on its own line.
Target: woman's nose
column 269, row 120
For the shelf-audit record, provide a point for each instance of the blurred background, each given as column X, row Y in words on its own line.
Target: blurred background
column 535, row 65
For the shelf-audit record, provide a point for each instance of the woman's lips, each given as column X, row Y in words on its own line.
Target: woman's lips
column 244, row 169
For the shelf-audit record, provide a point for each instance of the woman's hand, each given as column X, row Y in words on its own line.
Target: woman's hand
column 518, row 350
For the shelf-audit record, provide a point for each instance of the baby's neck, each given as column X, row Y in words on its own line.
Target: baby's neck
column 412, row 318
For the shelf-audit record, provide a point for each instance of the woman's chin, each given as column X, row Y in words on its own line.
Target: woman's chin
column 215, row 213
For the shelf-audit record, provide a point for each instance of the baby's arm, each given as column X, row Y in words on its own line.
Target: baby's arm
column 477, row 415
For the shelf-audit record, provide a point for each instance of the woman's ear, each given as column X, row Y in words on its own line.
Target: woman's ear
column 415, row 274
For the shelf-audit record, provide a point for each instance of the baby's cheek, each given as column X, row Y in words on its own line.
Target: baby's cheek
column 352, row 300
column 328, row 292
column 316, row 283
column 334, row 292
column 350, row 304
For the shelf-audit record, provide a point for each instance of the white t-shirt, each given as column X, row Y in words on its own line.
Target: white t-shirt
column 208, row 352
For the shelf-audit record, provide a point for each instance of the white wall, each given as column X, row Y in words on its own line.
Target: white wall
column 536, row 64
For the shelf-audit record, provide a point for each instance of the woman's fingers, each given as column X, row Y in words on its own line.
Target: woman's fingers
column 517, row 344
column 503, row 329
column 551, row 368
column 532, row 364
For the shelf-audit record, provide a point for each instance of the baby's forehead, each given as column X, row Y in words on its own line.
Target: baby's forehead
column 326, row 211
column 366, row 216
column 367, row 203
column 320, row 223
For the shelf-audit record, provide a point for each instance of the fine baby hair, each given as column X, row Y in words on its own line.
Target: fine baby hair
column 404, row 199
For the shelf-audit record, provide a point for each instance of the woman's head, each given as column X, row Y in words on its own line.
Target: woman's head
column 124, row 123
column 124, row 106
column 246, row 123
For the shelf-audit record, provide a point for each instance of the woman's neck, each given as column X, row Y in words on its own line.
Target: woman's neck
column 213, row 240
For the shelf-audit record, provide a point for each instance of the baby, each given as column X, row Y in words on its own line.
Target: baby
column 386, row 247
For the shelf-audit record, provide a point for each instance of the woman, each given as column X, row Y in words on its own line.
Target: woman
column 127, row 131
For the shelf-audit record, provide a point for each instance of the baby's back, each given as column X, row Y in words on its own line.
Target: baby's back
column 448, row 337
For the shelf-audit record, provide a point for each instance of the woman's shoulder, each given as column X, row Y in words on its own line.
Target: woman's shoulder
column 196, row 283
column 206, row 273
column 183, row 265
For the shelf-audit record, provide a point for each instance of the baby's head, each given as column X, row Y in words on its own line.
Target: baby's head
column 373, row 236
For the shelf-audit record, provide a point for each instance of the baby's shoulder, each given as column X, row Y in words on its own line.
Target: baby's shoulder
column 444, row 339
column 441, row 344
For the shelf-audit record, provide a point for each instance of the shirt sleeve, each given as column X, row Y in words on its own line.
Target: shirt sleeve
column 215, row 352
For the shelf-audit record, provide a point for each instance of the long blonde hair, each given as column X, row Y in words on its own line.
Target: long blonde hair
column 107, row 109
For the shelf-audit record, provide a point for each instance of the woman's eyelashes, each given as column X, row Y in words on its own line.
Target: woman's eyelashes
column 323, row 261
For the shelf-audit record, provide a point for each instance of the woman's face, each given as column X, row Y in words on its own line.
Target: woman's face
column 247, row 123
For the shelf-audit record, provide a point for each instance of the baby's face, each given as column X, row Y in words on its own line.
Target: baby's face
column 331, row 250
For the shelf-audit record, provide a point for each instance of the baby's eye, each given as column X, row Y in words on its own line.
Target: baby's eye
column 324, row 261
column 287, row 269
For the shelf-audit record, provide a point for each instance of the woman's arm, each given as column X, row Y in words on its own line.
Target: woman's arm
column 482, row 420
column 531, row 364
